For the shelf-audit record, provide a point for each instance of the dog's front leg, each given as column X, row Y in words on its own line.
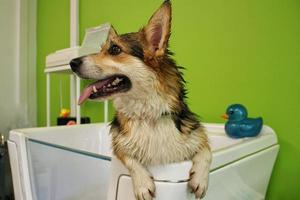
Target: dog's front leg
column 143, row 183
column 200, row 171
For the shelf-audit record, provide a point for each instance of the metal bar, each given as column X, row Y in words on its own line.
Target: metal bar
column 73, row 94
column 74, row 40
column 48, row 98
column 78, row 115
column 106, row 111
column 74, row 25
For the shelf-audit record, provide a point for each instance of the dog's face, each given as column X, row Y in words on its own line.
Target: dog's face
column 127, row 64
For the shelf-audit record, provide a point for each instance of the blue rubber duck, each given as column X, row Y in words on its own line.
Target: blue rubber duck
column 239, row 125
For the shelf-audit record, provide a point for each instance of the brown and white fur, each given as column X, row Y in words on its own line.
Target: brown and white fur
column 153, row 125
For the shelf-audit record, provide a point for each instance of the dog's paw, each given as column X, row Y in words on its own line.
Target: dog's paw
column 198, row 182
column 144, row 187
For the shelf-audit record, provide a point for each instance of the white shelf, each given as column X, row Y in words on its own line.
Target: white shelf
column 58, row 62
column 59, row 69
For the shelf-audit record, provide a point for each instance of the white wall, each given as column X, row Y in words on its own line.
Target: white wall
column 17, row 64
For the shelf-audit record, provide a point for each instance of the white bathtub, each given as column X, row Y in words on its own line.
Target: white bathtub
column 75, row 162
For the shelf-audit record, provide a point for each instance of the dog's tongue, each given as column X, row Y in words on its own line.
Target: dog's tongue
column 89, row 89
column 85, row 94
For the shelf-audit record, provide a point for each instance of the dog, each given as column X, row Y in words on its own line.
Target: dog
column 153, row 124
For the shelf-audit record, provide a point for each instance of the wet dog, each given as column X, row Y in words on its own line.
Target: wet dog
column 153, row 124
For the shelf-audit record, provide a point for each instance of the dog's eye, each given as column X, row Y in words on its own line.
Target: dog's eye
column 114, row 50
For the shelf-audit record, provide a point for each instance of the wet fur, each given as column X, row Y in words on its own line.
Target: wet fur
column 153, row 124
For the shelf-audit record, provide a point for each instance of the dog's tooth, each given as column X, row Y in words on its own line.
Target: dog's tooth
column 116, row 81
column 109, row 85
column 95, row 89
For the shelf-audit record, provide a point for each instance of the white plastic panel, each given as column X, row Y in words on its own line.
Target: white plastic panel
column 14, row 163
column 61, row 174
column 246, row 179
column 93, row 138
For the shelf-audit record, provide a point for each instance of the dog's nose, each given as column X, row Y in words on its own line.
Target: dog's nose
column 75, row 63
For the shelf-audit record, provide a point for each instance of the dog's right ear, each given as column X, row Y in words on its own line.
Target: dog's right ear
column 157, row 31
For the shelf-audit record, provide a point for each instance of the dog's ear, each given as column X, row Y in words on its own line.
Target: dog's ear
column 112, row 33
column 157, row 31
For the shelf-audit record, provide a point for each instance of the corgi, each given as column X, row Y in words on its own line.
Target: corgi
column 153, row 124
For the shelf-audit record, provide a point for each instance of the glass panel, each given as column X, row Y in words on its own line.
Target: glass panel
column 59, row 173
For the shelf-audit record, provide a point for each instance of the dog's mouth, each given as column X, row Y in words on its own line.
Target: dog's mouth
column 105, row 87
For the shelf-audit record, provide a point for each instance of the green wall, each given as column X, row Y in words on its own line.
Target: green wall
column 233, row 51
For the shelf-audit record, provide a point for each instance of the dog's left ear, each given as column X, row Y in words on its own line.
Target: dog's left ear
column 112, row 33
column 158, row 29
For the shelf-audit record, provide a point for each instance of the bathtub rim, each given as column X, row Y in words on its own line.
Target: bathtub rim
column 237, row 149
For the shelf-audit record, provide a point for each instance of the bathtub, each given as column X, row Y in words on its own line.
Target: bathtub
column 76, row 162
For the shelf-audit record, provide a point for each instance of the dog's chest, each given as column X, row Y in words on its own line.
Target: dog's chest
column 157, row 142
